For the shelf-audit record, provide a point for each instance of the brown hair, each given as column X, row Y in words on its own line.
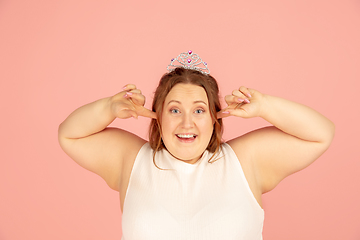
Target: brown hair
column 187, row 76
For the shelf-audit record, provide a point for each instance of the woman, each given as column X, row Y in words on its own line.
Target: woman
column 184, row 183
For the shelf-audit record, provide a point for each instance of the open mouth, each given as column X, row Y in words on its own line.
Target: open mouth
column 186, row 136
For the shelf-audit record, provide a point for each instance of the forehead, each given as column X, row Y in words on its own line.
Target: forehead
column 186, row 93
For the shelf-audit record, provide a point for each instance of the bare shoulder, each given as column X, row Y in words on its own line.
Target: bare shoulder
column 105, row 153
column 242, row 147
column 245, row 146
column 124, row 147
column 248, row 147
column 272, row 155
column 125, row 143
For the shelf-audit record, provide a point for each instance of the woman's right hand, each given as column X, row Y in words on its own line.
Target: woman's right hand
column 130, row 103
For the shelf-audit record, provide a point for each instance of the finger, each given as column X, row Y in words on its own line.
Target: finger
column 245, row 91
column 239, row 94
column 223, row 113
column 128, row 87
column 136, row 98
column 127, row 113
column 238, row 112
column 148, row 113
column 231, row 99
column 134, row 114
column 135, row 91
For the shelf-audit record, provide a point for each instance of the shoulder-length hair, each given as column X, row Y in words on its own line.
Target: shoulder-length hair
column 186, row 76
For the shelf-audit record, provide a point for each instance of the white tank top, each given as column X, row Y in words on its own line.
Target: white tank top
column 201, row 201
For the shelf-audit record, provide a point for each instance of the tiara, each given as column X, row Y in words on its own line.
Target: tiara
column 189, row 60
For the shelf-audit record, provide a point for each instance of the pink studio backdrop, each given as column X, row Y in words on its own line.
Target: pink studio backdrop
column 58, row 55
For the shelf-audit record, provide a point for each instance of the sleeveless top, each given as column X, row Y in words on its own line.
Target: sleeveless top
column 201, row 201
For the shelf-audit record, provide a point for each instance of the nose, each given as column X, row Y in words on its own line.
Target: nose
column 187, row 121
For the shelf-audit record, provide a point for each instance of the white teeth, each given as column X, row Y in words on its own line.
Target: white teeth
column 185, row 135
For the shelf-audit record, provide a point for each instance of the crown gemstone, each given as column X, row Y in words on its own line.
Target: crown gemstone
column 205, row 63
column 172, row 59
column 190, row 52
column 189, row 60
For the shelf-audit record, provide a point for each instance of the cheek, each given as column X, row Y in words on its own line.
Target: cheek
column 211, row 126
column 206, row 126
column 167, row 125
column 210, row 129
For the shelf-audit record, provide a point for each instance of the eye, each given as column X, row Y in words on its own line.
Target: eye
column 174, row 110
column 200, row 110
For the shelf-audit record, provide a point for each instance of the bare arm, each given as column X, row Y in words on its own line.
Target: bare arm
column 299, row 135
column 85, row 137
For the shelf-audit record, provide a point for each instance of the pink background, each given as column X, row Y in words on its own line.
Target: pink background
column 58, row 55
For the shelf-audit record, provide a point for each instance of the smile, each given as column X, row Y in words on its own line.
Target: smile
column 186, row 136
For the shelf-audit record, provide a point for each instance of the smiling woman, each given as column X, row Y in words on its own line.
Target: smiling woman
column 195, row 78
column 212, row 189
column 187, row 126
column 180, row 91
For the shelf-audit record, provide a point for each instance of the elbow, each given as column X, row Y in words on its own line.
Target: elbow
column 329, row 134
column 331, row 131
column 61, row 136
column 64, row 131
column 60, row 132
column 61, row 129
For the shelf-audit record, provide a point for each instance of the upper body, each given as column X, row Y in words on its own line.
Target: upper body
column 187, row 122
column 184, row 201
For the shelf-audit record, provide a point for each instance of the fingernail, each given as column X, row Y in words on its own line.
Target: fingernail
column 128, row 94
column 124, row 87
column 240, row 99
column 226, row 112
column 247, row 101
column 249, row 95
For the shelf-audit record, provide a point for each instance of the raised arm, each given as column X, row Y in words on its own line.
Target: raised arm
column 85, row 137
column 299, row 135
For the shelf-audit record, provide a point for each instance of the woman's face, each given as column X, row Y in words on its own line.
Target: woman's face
column 186, row 122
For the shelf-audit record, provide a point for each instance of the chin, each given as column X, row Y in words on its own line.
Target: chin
column 186, row 153
column 188, row 157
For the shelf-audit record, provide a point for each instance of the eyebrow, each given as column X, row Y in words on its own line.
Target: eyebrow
column 176, row 101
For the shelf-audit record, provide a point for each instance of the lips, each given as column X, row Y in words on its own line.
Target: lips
column 186, row 137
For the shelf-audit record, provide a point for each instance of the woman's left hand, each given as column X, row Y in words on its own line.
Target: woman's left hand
column 244, row 102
